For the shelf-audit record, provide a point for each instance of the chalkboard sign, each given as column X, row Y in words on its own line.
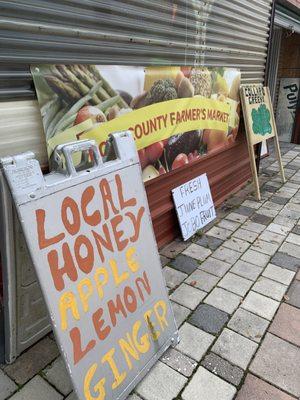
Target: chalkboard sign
column 194, row 205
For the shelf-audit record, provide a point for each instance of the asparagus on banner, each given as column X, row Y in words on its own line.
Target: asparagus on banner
column 56, row 120
column 63, row 89
column 76, row 107
column 106, row 86
column 76, row 86
column 80, row 86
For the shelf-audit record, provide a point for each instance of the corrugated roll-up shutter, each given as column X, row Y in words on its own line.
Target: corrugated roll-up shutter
column 237, row 34
column 273, row 65
column 15, row 82
column 287, row 19
column 178, row 32
column 231, row 33
column 138, row 32
column 22, row 129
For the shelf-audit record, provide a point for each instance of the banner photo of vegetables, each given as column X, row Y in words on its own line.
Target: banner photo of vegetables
column 176, row 114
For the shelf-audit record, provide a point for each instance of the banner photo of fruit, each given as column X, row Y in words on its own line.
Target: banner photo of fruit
column 176, row 114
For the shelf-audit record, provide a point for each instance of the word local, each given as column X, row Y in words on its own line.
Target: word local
column 108, row 233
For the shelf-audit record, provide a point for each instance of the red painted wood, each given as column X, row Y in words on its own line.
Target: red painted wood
column 226, row 171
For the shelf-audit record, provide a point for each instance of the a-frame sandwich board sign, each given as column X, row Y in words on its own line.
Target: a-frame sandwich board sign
column 260, row 125
column 91, row 240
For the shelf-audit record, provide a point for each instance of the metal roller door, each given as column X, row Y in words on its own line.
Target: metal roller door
column 287, row 19
column 237, row 36
column 133, row 32
column 141, row 32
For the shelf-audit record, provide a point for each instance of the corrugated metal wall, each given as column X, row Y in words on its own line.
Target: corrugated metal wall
column 178, row 32
column 287, row 19
column 286, row 27
column 22, row 129
column 143, row 32
column 273, row 82
column 237, row 35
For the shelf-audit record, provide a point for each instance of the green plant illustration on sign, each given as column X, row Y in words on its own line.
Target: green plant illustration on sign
column 261, row 121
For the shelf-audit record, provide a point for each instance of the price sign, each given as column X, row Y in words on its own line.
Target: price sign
column 194, row 205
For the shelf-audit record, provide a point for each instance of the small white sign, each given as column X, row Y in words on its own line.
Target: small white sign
column 194, row 205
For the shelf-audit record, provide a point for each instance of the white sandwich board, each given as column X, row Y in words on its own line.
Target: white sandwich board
column 90, row 237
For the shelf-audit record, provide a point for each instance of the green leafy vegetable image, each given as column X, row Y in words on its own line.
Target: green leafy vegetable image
column 261, row 120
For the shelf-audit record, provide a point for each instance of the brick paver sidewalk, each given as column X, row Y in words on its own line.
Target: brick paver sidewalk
column 235, row 291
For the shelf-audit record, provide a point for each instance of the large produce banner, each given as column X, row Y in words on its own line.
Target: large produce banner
column 176, row 114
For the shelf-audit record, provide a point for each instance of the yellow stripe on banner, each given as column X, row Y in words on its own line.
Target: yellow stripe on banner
column 163, row 120
column 69, row 135
column 153, row 123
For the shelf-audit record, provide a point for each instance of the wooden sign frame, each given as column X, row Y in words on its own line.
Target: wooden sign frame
column 260, row 98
